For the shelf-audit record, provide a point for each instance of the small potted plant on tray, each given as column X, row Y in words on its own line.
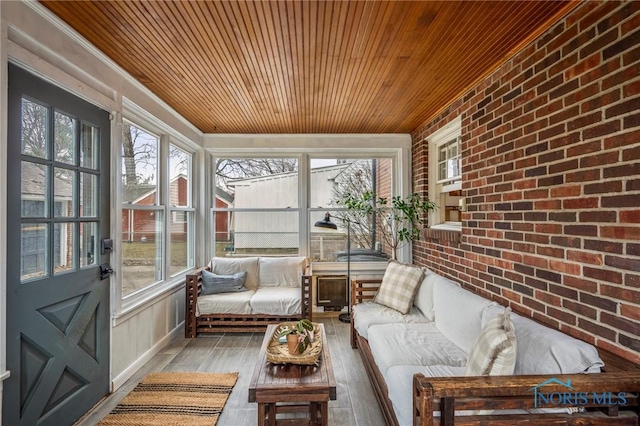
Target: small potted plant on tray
column 299, row 337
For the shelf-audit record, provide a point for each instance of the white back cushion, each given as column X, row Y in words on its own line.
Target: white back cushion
column 543, row 350
column 458, row 313
column 232, row 265
column 282, row 271
column 424, row 295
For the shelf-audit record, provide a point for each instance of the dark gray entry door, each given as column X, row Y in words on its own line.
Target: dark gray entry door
column 57, row 212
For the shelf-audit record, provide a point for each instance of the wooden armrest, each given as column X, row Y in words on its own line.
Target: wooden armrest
column 610, row 392
column 363, row 290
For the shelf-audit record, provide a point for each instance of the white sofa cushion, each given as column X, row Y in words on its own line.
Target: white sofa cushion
column 424, row 295
column 232, row 265
column 412, row 344
column 369, row 313
column 399, row 382
column 399, row 285
column 543, row 350
column 458, row 313
column 225, row 303
column 277, row 301
column 494, row 353
column 281, row 271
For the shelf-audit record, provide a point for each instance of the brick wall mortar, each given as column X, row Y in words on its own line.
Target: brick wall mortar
column 551, row 173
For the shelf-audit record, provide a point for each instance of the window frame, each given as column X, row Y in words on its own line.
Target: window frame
column 438, row 187
column 394, row 147
column 125, row 304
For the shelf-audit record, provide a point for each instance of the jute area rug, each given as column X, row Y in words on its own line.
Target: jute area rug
column 184, row 399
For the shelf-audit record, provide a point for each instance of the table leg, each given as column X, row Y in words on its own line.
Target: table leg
column 261, row 413
column 313, row 413
column 324, row 413
column 271, row 414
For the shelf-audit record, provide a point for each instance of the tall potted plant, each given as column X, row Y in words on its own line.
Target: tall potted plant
column 397, row 219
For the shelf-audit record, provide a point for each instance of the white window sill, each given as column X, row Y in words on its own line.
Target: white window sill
column 448, row 226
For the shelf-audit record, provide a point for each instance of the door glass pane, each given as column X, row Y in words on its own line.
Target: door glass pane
column 89, row 146
column 65, row 200
column 35, row 190
column 63, row 241
column 88, row 239
column 34, row 129
column 89, row 195
column 33, row 251
column 181, row 241
column 65, row 140
column 141, row 249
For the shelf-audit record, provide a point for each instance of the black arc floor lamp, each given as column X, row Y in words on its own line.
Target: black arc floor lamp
column 327, row 224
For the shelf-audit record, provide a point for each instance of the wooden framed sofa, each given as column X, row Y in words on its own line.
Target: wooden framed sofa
column 548, row 387
column 273, row 290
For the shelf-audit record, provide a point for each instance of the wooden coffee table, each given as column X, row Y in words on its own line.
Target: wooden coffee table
column 291, row 388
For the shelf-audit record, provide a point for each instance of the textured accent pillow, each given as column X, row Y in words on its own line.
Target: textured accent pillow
column 214, row 283
column 494, row 353
column 399, row 285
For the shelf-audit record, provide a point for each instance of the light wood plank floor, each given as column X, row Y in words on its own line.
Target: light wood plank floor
column 355, row 404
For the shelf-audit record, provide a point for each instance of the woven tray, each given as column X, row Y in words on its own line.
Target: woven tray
column 277, row 353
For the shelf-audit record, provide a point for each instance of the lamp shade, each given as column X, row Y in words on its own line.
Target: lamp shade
column 326, row 222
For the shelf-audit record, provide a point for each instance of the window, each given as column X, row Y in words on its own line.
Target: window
column 256, row 207
column 445, row 175
column 154, row 248
column 182, row 241
column 331, row 181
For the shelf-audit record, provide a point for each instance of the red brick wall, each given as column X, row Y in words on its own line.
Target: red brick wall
column 551, row 175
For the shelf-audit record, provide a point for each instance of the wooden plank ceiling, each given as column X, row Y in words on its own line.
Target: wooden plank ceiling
column 309, row 66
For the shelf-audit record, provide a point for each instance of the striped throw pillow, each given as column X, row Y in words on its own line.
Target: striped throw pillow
column 399, row 285
column 214, row 283
column 494, row 353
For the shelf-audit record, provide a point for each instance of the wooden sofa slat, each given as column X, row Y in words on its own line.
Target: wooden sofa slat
column 235, row 323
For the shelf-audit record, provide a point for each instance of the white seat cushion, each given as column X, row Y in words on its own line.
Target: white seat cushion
column 277, row 301
column 225, row 303
column 412, row 344
column 369, row 313
column 399, row 381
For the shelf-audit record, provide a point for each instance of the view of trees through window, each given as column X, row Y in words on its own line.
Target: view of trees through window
column 257, row 212
column 146, row 210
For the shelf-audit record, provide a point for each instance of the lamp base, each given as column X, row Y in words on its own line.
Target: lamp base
column 344, row 317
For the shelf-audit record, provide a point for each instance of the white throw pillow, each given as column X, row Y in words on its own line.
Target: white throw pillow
column 233, row 265
column 494, row 353
column 399, row 285
column 281, row 271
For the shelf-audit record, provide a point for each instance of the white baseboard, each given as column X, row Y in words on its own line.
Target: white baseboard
column 121, row 378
